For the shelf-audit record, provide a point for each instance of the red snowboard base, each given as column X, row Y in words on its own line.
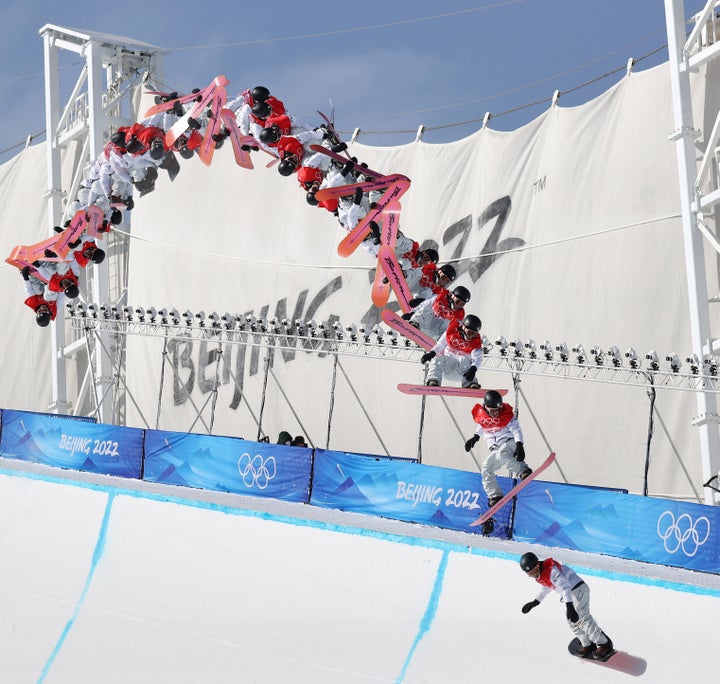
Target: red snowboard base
column 617, row 660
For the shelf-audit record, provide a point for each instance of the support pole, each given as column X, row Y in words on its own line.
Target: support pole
column 333, row 384
column 651, row 429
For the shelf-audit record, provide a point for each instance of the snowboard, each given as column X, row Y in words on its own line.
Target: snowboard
column 355, row 237
column 390, row 265
column 487, row 515
column 388, row 235
column 367, row 186
column 202, row 100
column 339, row 158
column 214, row 125
column 446, row 392
column 331, row 128
column 242, row 157
column 615, row 660
column 398, row 323
column 85, row 220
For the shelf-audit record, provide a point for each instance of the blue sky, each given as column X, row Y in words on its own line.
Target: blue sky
column 387, row 67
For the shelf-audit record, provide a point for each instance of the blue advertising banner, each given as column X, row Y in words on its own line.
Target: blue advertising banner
column 660, row 531
column 228, row 464
column 66, row 442
column 403, row 490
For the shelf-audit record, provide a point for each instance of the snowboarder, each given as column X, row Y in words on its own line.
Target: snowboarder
column 432, row 316
column 576, row 596
column 499, row 425
column 458, row 352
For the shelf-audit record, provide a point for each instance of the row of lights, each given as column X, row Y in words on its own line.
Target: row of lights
column 601, row 357
column 518, row 349
column 240, row 322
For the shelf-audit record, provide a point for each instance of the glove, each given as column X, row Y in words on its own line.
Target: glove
column 469, row 445
column 529, row 606
column 25, row 271
column 427, row 356
column 469, row 374
column 519, row 452
column 571, row 613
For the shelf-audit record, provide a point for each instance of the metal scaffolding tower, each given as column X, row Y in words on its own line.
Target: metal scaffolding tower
column 82, row 117
column 686, row 54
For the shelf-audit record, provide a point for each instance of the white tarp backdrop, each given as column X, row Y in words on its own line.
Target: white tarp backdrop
column 582, row 205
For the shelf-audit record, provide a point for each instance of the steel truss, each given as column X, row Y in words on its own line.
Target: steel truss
column 378, row 343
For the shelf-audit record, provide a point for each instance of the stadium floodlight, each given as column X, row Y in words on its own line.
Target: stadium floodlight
column 598, row 355
column 531, row 348
column 92, row 310
column 379, row 334
column 562, row 349
column 547, row 350
column 214, row 319
column 502, row 344
column 487, row 345
column 710, row 365
column 353, row 332
column 615, row 356
column 174, row 316
column 653, row 361
column 694, row 363
column 580, row 354
column 517, row 347
column 674, row 360
column 140, row 311
column 151, row 313
column 633, row 358
column 188, row 317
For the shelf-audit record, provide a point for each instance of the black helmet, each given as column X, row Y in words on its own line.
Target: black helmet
column 259, row 94
column 72, row 291
column 98, row 256
column 43, row 318
column 472, row 322
column 270, row 134
column 261, row 110
column 287, row 167
column 493, row 400
column 431, row 254
column 528, row 560
column 462, row 293
column 310, row 199
column 449, row 271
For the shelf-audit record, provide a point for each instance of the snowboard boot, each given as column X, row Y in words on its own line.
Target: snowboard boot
column 524, row 473
column 488, row 526
column 603, row 650
column 493, row 500
column 431, row 382
column 587, row 651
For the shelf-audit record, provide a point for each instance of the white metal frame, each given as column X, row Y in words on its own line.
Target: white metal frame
column 688, row 53
column 98, row 103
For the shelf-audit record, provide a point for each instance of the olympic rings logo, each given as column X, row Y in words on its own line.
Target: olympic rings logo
column 684, row 533
column 256, row 470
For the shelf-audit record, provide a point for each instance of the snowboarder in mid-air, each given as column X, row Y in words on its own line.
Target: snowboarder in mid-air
column 594, row 643
column 498, row 424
